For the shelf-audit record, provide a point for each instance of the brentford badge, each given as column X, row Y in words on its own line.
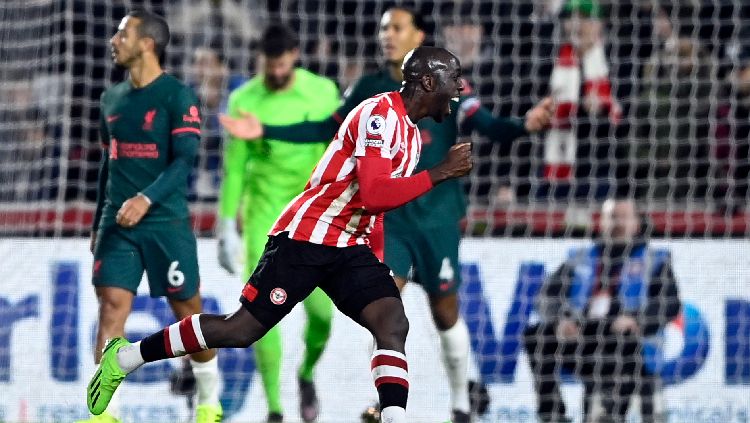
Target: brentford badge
column 278, row 296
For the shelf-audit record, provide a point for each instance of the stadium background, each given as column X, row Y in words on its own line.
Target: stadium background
column 679, row 70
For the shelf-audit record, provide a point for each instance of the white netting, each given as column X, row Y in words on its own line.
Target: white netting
column 678, row 71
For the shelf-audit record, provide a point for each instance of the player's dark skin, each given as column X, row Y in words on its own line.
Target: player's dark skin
column 432, row 79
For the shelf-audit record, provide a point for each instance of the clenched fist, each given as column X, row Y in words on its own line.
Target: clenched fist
column 457, row 163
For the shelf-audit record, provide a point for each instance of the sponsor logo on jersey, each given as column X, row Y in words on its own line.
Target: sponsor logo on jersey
column 375, row 125
column 193, row 115
column 278, row 296
column 373, row 143
column 148, row 120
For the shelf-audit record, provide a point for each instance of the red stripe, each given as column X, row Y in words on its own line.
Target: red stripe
column 167, row 344
column 186, row 129
column 189, row 340
column 558, row 171
column 388, row 360
column 567, row 56
column 287, row 217
column 337, row 117
column 391, row 379
column 339, row 222
column 318, row 207
column 473, row 109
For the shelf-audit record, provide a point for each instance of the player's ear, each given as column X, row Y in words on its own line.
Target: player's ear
column 295, row 54
column 428, row 83
column 420, row 37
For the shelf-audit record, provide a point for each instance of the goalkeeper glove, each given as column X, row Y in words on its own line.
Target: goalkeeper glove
column 230, row 245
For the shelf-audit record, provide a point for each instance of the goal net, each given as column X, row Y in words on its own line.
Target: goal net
column 652, row 103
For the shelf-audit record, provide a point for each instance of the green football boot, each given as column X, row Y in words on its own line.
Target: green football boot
column 107, row 377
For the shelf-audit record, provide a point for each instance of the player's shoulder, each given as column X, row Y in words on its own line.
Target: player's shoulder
column 369, row 79
column 315, row 84
column 115, row 91
column 173, row 89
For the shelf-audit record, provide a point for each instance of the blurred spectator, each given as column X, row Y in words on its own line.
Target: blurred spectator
column 594, row 314
column 28, row 154
column 731, row 147
column 585, row 106
column 210, row 78
column 673, row 113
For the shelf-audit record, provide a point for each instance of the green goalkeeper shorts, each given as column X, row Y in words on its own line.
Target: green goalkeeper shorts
column 427, row 256
column 167, row 252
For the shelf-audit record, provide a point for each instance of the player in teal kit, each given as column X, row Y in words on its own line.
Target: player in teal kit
column 422, row 236
column 150, row 130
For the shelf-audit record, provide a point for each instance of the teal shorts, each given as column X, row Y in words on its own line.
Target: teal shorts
column 167, row 252
column 427, row 256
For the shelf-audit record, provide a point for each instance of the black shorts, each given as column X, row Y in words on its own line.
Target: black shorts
column 289, row 270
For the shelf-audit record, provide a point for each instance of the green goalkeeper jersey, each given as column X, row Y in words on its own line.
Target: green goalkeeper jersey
column 151, row 136
column 262, row 173
column 445, row 202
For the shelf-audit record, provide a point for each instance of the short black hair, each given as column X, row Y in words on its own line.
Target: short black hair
column 416, row 18
column 278, row 39
column 152, row 26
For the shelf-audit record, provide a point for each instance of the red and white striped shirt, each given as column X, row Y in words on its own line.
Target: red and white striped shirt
column 330, row 211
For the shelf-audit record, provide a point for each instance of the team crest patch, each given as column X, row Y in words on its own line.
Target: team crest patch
column 375, row 125
column 278, row 296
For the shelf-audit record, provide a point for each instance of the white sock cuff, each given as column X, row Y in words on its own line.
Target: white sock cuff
column 393, row 414
column 456, row 336
column 208, row 365
column 391, row 353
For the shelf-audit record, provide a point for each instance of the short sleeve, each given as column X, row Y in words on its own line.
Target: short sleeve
column 184, row 113
column 375, row 130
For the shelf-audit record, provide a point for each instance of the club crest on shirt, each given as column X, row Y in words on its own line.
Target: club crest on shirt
column 278, row 296
column 148, row 120
column 193, row 117
column 375, row 125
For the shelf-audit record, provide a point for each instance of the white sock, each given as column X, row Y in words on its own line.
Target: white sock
column 129, row 357
column 207, row 380
column 113, row 408
column 455, row 349
column 393, row 414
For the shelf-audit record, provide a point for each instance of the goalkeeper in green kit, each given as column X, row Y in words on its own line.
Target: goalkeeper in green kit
column 262, row 176
column 421, row 237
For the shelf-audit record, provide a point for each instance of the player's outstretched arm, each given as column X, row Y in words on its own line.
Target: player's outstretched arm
column 381, row 193
column 506, row 129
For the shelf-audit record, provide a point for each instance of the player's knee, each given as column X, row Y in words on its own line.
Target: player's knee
column 392, row 334
column 112, row 310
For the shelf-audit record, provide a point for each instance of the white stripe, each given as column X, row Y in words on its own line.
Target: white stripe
column 283, row 213
column 292, row 227
column 175, row 340
column 346, row 168
column 390, row 353
column 595, row 63
column 391, row 127
column 197, row 330
column 389, row 371
column 351, row 227
column 414, row 145
column 324, row 161
column 565, row 84
column 333, row 210
column 359, row 142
